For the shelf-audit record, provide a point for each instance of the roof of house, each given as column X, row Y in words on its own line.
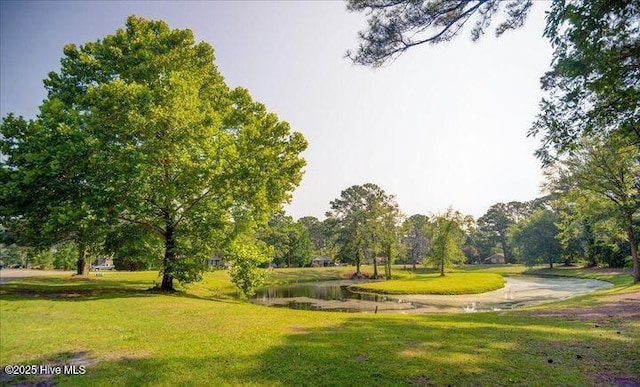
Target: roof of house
column 495, row 256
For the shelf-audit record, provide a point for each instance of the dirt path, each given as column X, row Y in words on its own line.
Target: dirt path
column 625, row 306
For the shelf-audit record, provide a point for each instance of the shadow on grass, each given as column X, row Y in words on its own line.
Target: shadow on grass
column 479, row 349
column 77, row 288
column 445, row 350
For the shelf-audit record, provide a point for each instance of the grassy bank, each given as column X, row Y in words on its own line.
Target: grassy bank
column 453, row 283
column 125, row 335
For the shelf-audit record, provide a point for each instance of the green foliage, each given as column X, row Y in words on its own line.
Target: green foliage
column 587, row 229
column 289, row 241
column 318, row 238
column 417, row 232
column 597, row 187
column 150, row 135
column 47, row 193
column 536, row 238
column 133, row 247
column 65, row 255
column 494, row 224
column 448, row 238
column 593, row 85
column 367, row 223
column 395, row 26
column 245, row 256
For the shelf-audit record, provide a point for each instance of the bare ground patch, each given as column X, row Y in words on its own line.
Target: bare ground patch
column 46, row 371
column 621, row 306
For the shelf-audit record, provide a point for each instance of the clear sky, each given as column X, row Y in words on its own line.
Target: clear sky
column 442, row 126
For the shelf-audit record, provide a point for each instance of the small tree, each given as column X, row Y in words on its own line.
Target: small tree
column 246, row 254
column 448, row 238
column 417, row 238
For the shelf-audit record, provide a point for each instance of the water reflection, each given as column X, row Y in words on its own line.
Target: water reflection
column 328, row 291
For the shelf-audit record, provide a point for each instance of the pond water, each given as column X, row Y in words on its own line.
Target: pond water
column 323, row 290
column 336, row 296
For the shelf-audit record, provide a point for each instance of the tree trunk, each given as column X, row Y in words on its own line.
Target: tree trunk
column 589, row 249
column 550, row 263
column 387, row 267
column 169, row 258
column 503, row 243
column 375, row 267
column 82, row 267
column 634, row 249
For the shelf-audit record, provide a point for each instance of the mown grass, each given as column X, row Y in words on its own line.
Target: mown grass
column 203, row 336
column 621, row 278
column 281, row 276
column 452, row 283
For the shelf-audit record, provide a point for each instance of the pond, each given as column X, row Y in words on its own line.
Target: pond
column 336, row 296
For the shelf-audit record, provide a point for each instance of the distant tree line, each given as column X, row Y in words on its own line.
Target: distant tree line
column 571, row 225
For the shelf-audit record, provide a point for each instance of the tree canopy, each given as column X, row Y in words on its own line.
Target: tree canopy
column 394, row 26
column 289, row 240
column 593, row 85
column 367, row 221
column 536, row 238
column 448, row 238
column 417, row 238
column 161, row 142
column 600, row 180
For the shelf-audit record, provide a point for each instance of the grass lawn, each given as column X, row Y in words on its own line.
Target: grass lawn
column 452, row 283
column 202, row 335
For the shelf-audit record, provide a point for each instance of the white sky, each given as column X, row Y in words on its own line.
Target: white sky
column 442, row 126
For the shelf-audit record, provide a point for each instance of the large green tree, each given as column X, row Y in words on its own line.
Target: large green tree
column 133, row 247
column 587, row 230
column 366, row 221
column 47, row 193
column 536, row 238
column 171, row 147
column 321, row 234
column 605, row 168
column 496, row 221
column 387, row 221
